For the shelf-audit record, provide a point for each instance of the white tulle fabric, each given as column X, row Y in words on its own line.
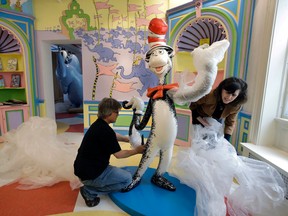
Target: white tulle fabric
column 34, row 156
column 209, row 167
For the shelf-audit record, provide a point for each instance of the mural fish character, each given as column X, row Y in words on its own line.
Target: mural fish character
column 161, row 103
column 69, row 75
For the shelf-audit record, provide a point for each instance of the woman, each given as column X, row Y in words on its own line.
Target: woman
column 224, row 102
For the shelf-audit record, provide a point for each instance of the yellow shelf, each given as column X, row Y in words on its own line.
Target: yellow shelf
column 7, row 88
column 9, row 54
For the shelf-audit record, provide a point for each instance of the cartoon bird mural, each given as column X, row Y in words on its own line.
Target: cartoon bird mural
column 162, row 97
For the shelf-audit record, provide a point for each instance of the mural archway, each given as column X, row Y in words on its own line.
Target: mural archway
column 22, row 41
column 8, row 42
column 189, row 32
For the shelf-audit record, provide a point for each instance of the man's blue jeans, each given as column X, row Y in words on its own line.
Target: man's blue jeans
column 112, row 179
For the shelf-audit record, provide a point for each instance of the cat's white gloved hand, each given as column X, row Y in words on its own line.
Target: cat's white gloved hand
column 136, row 103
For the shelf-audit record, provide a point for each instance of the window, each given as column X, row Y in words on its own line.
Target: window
column 285, row 95
column 267, row 74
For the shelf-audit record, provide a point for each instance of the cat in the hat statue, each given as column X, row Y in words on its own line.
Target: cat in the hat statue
column 162, row 97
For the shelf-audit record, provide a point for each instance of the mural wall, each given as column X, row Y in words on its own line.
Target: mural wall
column 114, row 40
column 113, row 35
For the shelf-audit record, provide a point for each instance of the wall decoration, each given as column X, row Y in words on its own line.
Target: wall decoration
column 139, row 70
column 113, row 85
column 75, row 18
column 200, row 31
column 20, row 6
column 15, row 80
column 96, row 78
column 8, row 43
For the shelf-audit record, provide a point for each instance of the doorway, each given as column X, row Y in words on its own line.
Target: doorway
column 68, row 114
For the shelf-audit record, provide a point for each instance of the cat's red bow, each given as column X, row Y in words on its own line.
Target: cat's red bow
column 157, row 91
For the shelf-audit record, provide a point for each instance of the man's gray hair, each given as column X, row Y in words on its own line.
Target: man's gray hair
column 108, row 106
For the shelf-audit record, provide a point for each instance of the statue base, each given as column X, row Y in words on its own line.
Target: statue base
column 148, row 199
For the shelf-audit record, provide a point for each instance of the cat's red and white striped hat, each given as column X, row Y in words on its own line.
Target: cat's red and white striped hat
column 156, row 36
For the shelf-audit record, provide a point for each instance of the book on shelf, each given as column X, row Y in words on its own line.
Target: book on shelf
column 12, row 64
column 1, row 66
column 2, row 81
column 15, row 80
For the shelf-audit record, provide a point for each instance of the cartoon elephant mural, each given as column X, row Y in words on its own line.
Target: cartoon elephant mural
column 146, row 77
column 68, row 73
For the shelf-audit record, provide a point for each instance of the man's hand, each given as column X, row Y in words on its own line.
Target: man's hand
column 140, row 149
column 122, row 138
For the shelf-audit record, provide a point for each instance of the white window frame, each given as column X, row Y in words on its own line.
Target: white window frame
column 267, row 75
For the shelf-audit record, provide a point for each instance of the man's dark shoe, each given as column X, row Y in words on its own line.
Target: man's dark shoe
column 89, row 203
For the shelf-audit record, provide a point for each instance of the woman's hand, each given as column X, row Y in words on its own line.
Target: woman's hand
column 203, row 121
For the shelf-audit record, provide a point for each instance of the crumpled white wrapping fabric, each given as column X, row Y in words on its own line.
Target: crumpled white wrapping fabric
column 34, row 156
column 210, row 165
column 205, row 60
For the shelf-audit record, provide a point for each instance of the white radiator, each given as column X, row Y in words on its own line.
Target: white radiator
column 279, row 160
column 284, row 176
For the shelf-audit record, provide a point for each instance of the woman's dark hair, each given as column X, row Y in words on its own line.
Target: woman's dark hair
column 232, row 84
column 107, row 106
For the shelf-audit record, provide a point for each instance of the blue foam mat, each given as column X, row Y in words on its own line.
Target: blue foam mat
column 148, row 199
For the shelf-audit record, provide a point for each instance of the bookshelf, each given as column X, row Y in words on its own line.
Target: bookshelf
column 13, row 99
column 10, row 91
column 17, row 85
